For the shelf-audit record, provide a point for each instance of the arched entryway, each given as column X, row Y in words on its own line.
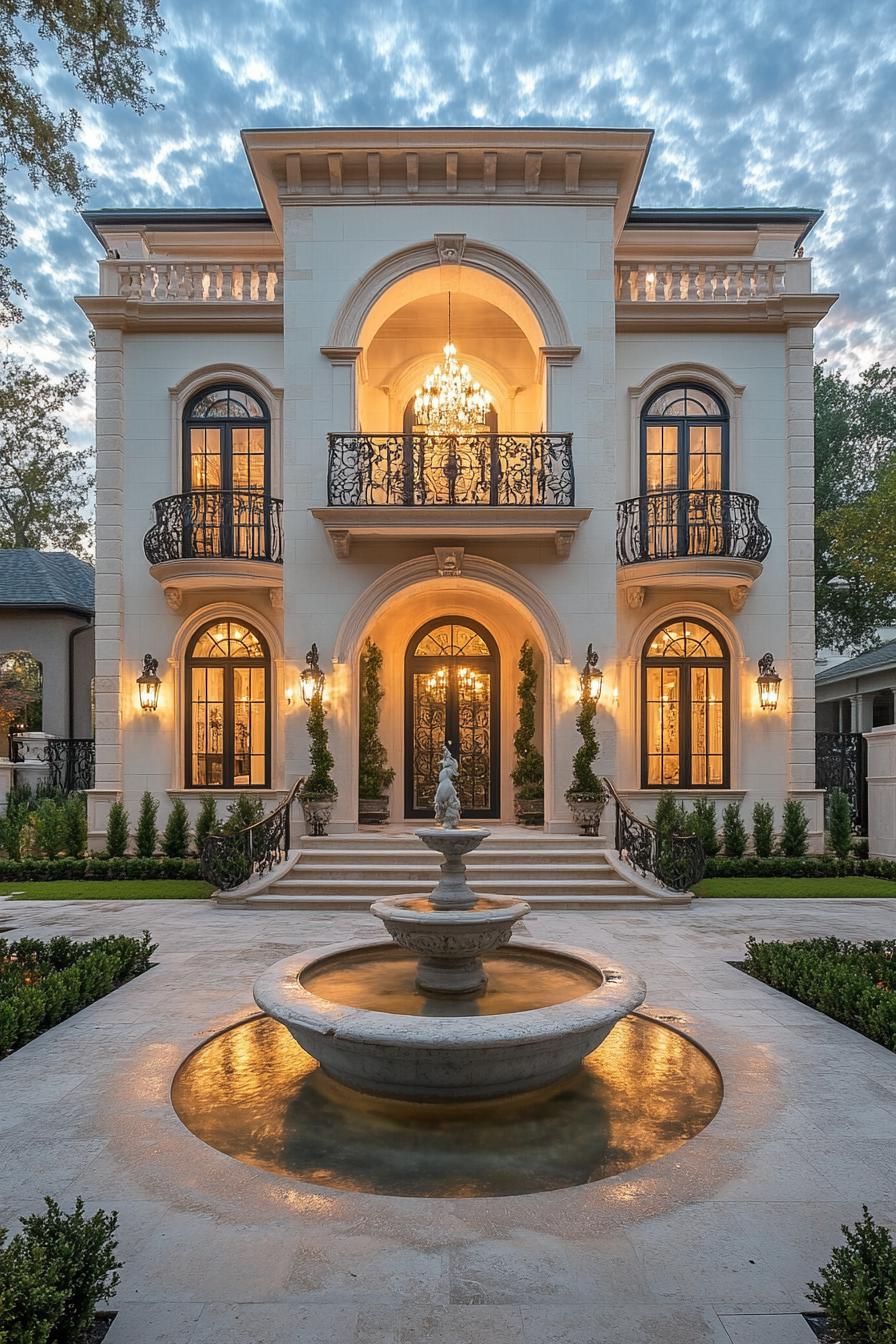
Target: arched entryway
column 452, row 686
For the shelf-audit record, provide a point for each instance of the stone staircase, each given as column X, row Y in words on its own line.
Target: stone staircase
column 349, row 872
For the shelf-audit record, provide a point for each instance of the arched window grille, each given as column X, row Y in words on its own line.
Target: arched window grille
column 228, row 685
column 685, row 693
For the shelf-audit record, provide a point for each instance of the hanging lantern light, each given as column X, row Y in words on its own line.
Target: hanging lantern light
column 592, row 678
column 769, row 682
column 450, row 400
column 148, row 683
column 312, row 677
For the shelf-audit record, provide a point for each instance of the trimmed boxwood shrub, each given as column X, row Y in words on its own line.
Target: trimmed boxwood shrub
column 54, row 1272
column 809, row 865
column 42, row 983
column 858, row 1285
column 97, row 869
column 855, row 983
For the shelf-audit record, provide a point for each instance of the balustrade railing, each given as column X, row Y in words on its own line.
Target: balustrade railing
column 223, row 524
column 670, row 523
column 674, row 861
column 230, row 858
column 699, row 281
column 195, row 281
column 70, row 761
column 421, row 469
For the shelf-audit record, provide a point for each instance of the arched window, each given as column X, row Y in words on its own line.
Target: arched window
column 685, row 672
column 684, row 469
column 228, row 683
column 21, row 694
column 227, row 434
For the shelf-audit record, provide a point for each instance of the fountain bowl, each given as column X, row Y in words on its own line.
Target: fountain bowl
column 450, row 942
column 448, row 1058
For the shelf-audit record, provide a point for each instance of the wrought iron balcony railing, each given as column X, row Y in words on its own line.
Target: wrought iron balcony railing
column 423, row 469
column 70, row 761
column 672, row 523
column 216, row 524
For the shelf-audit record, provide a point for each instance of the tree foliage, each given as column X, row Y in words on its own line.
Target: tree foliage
column 101, row 44
column 585, row 782
column 43, row 484
column 20, row 691
column 855, row 492
column 319, row 782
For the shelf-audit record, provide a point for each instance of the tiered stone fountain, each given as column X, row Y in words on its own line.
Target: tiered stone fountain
column 444, row 1009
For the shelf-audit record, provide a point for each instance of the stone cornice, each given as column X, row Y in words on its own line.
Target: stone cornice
column 772, row 314
column 453, row 165
column 118, row 314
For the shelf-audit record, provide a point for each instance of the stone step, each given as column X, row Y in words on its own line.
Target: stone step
column 504, row 840
column 629, row 899
column 514, row 885
column 483, row 873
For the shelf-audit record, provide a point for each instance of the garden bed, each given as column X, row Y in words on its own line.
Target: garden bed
column 853, row 983
column 43, row 983
column 97, row 869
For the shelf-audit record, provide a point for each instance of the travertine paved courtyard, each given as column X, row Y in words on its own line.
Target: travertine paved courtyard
column 714, row 1242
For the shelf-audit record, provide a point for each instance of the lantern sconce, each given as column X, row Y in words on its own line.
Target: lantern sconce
column 769, row 682
column 148, row 683
column 312, row 677
column 591, row 679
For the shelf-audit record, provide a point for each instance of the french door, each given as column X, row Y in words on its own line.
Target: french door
column 451, row 698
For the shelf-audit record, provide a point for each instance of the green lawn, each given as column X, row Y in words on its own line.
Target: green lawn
column 150, row 889
column 794, row 888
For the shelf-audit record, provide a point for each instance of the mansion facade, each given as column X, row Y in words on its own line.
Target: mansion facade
column 631, row 468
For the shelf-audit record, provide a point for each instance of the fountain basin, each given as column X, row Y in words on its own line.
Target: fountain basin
column 447, row 1058
column 450, row 942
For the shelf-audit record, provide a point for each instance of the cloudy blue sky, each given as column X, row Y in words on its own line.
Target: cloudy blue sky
column 753, row 102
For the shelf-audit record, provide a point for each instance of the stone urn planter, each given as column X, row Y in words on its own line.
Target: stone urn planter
column 318, row 809
column 373, row 810
column 529, row 811
column 587, row 810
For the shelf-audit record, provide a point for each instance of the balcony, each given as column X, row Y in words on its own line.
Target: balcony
column 454, row 485
column 212, row 539
column 690, row 538
column 159, row 294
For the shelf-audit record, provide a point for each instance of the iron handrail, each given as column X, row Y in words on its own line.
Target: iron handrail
column 216, row 524
column 667, row 524
column 675, row 861
column 229, row 859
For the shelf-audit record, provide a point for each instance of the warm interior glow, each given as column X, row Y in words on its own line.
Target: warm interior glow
column 451, row 401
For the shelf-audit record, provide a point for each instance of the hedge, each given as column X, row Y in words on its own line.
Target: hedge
column 42, row 983
column 809, row 865
column 96, row 869
column 854, row 983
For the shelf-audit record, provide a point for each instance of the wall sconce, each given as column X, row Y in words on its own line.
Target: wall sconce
column 769, row 682
column 312, row 677
column 148, row 683
column 591, row 679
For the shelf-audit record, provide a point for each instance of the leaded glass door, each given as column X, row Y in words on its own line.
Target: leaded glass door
column 452, row 697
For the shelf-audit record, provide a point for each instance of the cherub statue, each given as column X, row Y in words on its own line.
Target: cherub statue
column 447, row 803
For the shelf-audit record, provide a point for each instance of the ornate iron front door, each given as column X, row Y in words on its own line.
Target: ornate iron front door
column 452, row 697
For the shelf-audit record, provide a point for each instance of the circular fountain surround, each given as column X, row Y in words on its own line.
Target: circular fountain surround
column 448, row 1057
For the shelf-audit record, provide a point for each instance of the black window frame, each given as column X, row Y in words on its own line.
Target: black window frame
column 684, row 683
column 227, row 424
column 191, row 662
column 683, row 422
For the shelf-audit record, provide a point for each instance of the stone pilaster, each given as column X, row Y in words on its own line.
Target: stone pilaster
column 801, row 594
column 109, row 576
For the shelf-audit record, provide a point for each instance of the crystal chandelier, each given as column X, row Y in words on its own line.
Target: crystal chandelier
column 450, row 400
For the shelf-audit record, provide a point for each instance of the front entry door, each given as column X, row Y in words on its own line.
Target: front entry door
column 451, row 696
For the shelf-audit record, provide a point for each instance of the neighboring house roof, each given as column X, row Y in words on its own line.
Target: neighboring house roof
column 872, row 660
column 30, row 579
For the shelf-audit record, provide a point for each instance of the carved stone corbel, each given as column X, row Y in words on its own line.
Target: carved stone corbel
column 341, row 541
column 634, row 596
column 737, row 596
column 563, row 543
column 174, row 597
column 275, row 597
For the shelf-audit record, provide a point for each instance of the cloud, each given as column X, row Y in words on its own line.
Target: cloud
column 753, row 103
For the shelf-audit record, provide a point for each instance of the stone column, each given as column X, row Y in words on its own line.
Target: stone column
column 801, row 594
column 109, row 573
